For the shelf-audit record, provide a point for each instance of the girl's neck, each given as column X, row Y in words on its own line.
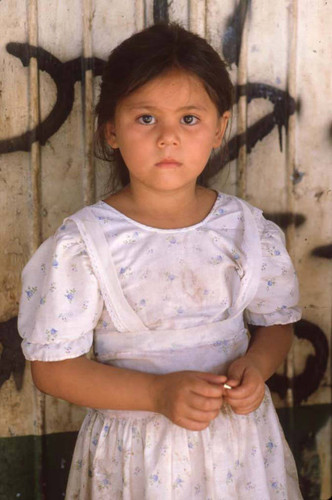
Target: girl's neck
column 165, row 210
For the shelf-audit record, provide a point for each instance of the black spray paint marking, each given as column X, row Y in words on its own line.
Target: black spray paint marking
column 306, row 383
column 285, row 219
column 324, row 252
column 64, row 76
column 160, row 11
column 284, row 106
column 232, row 38
column 12, row 360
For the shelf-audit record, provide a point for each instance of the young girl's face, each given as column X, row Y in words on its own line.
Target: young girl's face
column 166, row 130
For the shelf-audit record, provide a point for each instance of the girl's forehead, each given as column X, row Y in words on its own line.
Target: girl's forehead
column 175, row 86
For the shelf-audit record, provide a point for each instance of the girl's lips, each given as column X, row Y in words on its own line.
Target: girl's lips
column 168, row 162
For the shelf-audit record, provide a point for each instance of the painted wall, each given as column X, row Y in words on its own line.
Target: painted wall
column 52, row 54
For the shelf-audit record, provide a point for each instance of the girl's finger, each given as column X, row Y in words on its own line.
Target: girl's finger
column 205, row 404
column 212, row 378
column 257, row 395
column 202, row 416
column 208, row 390
column 192, row 425
column 245, row 390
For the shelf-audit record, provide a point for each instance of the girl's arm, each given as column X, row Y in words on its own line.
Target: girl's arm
column 246, row 375
column 95, row 385
column 190, row 399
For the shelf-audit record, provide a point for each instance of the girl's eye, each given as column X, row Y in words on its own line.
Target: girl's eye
column 147, row 119
column 189, row 120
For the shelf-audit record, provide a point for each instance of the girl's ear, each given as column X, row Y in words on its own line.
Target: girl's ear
column 221, row 128
column 111, row 135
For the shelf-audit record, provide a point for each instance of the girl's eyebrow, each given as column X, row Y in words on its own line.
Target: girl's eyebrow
column 143, row 105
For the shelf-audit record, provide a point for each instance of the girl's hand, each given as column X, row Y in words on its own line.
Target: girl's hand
column 247, row 384
column 190, row 399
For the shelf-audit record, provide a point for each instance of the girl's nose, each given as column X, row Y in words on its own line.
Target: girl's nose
column 167, row 137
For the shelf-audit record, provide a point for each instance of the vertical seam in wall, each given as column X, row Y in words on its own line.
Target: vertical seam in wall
column 140, row 15
column 290, row 164
column 88, row 174
column 197, row 16
column 242, row 108
column 34, row 203
column 34, row 118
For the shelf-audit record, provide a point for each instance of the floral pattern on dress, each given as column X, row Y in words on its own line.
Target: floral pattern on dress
column 131, row 455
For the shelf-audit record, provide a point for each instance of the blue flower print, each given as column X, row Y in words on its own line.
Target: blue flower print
column 70, row 294
column 229, row 477
column 131, row 238
column 270, row 283
column 52, row 286
column 55, row 262
column 281, row 308
column 78, row 464
column 30, row 291
column 170, row 276
column 222, row 345
column 125, row 272
column 43, row 268
column 63, row 227
column 105, row 220
column 238, row 464
column 137, row 470
column 236, row 256
column 154, row 478
column 270, row 446
column 216, row 260
column 42, row 301
column 277, row 487
column 171, row 240
column 219, row 211
column 180, row 310
column 106, row 429
column 197, row 488
column 51, row 334
column 178, row 482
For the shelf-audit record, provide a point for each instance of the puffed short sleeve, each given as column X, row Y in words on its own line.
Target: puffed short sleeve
column 277, row 294
column 60, row 302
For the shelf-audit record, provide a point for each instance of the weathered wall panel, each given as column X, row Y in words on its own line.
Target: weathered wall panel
column 277, row 53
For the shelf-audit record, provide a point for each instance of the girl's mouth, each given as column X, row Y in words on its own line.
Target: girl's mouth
column 168, row 163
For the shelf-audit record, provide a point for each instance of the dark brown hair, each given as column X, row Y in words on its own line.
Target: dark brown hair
column 143, row 57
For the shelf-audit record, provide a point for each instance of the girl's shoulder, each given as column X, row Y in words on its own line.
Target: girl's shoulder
column 227, row 203
column 232, row 204
column 64, row 243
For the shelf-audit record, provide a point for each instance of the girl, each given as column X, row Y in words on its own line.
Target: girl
column 161, row 278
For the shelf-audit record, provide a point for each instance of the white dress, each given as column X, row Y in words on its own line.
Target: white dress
column 159, row 301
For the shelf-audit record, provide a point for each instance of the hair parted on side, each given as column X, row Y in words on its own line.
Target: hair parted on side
column 145, row 56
